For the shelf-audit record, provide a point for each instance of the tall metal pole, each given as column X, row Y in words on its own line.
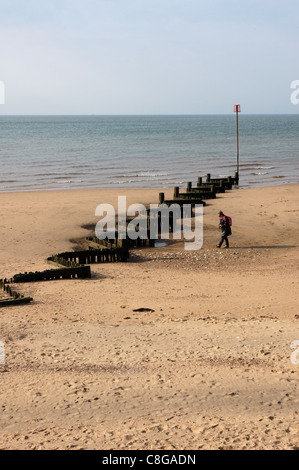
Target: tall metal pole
column 237, row 109
column 237, row 120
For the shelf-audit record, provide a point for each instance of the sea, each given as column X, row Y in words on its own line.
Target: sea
column 76, row 152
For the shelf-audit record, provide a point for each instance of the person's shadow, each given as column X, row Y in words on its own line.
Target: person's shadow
column 265, row 246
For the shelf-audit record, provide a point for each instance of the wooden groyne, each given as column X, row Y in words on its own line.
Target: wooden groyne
column 14, row 297
column 195, row 195
column 179, row 201
column 91, row 256
column 75, row 266
column 79, row 272
column 119, row 244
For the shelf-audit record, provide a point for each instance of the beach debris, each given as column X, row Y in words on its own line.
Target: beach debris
column 144, row 309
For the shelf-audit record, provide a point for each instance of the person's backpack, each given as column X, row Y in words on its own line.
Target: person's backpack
column 229, row 220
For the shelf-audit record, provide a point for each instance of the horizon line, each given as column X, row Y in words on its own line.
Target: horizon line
column 149, row 114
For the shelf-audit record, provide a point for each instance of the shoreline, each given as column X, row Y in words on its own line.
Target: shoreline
column 140, row 188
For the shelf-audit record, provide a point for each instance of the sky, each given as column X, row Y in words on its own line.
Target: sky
column 109, row 57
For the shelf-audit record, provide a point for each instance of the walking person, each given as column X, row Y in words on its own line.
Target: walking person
column 224, row 225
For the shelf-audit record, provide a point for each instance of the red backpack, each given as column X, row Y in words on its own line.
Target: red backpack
column 229, row 220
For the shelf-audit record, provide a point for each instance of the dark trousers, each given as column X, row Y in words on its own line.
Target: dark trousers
column 224, row 237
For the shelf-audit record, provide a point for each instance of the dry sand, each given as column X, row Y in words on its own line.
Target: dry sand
column 207, row 366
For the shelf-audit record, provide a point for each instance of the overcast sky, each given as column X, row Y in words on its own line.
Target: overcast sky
column 148, row 56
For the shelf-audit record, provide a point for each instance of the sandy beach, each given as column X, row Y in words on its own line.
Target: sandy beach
column 172, row 350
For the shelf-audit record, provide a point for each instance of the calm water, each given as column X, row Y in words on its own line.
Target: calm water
column 39, row 153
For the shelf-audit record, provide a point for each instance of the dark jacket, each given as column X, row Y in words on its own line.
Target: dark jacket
column 225, row 227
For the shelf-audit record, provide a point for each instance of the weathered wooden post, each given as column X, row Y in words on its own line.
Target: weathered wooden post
column 199, row 181
column 120, row 242
column 189, row 187
column 176, row 192
column 161, row 198
column 208, row 178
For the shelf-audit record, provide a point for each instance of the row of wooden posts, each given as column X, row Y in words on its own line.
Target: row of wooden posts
column 15, row 298
column 91, row 256
column 75, row 266
column 202, row 191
